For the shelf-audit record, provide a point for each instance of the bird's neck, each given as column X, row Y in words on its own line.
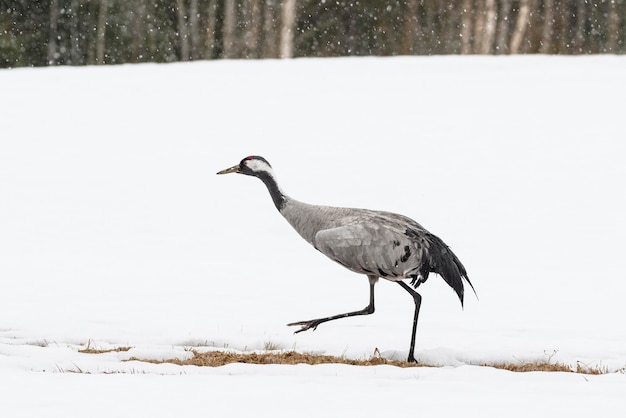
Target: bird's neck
column 277, row 194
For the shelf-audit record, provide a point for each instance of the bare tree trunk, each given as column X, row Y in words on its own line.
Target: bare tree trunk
column 520, row 26
column 75, row 54
column 253, row 33
column 579, row 37
column 504, row 20
column 138, row 41
column 270, row 42
column 194, row 30
column 613, row 28
column 479, row 25
column 101, row 31
column 547, row 32
column 430, row 38
column 230, row 22
column 410, row 28
column 466, row 27
column 258, row 28
column 562, row 35
column 489, row 33
column 211, row 29
column 52, row 38
column 183, row 37
column 287, row 29
column 450, row 27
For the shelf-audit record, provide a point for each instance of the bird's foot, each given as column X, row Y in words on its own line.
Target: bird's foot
column 306, row 325
column 411, row 359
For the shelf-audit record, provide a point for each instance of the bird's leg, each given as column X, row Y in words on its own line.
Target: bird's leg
column 417, row 298
column 313, row 323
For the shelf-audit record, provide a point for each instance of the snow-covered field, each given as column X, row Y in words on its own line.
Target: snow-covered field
column 115, row 231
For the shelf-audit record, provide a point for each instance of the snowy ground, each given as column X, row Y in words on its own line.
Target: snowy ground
column 115, row 231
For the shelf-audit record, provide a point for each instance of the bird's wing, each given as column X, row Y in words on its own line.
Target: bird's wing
column 369, row 248
column 392, row 247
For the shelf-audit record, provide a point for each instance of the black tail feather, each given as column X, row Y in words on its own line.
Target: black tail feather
column 445, row 263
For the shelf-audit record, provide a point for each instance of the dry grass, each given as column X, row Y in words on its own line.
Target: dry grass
column 544, row 366
column 534, row 366
column 273, row 356
column 585, row 369
column 92, row 350
column 221, row 358
column 548, row 365
column 110, row 350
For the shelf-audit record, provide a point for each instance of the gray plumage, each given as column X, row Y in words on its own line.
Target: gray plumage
column 378, row 243
column 374, row 243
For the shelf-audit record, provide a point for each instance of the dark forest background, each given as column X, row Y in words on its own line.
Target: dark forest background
column 83, row 32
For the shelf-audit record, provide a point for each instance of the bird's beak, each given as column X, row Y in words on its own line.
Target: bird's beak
column 233, row 169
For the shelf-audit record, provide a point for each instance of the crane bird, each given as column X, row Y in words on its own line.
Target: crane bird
column 374, row 243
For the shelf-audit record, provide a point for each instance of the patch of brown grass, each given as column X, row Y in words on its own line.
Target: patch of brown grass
column 221, row 358
column 585, row 369
column 273, row 356
column 544, row 366
column 89, row 350
column 534, row 366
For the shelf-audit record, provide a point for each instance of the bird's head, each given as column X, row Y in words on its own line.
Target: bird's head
column 259, row 167
column 250, row 166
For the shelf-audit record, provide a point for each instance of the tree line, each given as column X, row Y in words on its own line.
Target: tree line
column 82, row 32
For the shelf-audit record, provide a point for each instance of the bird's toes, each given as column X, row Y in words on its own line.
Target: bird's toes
column 304, row 324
